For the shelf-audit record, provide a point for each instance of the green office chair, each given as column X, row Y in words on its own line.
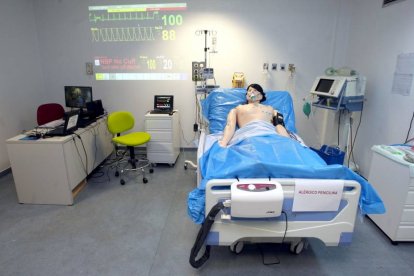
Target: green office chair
column 119, row 122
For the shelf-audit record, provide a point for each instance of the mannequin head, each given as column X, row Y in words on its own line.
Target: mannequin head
column 255, row 93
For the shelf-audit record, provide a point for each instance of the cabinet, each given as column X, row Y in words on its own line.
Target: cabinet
column 54, row 170
column 164, row 146
column 393, row 178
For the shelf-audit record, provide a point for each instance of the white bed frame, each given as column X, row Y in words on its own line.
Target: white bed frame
column 337, row 230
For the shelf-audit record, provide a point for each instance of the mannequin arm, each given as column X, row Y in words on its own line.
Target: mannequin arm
column 230, row 128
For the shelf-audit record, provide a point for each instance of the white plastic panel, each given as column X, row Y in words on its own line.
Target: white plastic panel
column 408, row 215
column 157, row 124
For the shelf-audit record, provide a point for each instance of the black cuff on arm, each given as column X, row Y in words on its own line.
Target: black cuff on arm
column 278, row 120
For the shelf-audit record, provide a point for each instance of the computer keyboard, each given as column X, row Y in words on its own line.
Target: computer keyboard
column 53, row 124
column 160, row 111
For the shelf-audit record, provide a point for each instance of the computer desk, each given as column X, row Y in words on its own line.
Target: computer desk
column 54, row 170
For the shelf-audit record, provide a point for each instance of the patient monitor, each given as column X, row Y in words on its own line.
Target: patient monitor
column 339, row 92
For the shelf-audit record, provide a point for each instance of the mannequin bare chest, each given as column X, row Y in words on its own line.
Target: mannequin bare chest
column 253, row 111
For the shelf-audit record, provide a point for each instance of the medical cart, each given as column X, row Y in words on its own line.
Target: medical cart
column 164, row 146
column 392, row 175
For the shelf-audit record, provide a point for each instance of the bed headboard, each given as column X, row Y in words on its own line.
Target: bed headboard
column 220, row 101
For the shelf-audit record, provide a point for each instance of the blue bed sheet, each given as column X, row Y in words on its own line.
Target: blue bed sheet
column 219, row 103
column 272, row 156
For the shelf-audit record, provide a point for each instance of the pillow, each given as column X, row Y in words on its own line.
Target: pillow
column 220, row 101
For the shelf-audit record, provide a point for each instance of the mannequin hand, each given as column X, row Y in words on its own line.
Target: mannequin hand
column 221, row 144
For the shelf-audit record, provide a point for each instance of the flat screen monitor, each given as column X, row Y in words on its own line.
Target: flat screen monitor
column 324, row 85
column 164, row 102
column 329, row 86
column 77, row 96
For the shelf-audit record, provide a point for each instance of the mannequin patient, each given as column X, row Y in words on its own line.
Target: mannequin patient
column 251, row 111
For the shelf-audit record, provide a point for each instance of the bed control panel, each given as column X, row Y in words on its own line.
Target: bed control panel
column 259, row 187
column 263, row 199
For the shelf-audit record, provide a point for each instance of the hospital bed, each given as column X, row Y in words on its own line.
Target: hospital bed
column 259, row 162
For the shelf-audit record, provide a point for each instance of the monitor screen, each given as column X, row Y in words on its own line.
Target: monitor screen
column 77, row 96
column 324, row 85
column 163, row 102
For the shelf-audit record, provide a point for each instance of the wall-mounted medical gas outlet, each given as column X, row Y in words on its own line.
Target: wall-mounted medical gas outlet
column 274, row 66
column 265, row 66
column 282, row 67
column 197, row 71
column 291, row 68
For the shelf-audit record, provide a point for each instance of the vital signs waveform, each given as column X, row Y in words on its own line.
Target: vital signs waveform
column 126, row 16
column 128, row 34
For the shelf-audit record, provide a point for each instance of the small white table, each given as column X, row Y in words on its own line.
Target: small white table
column 54, row 170
column 393, row 178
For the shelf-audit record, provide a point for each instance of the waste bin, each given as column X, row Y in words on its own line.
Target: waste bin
column 331, row 155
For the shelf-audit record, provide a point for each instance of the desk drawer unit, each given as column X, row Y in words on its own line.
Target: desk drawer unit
column 164, row 146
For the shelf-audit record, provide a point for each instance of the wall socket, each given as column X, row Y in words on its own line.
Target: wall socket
column 282, row 67
column 265, row 66
column 89, row 68
column 274, row 66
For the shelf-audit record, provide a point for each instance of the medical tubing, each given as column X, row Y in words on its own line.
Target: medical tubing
column 202, row 235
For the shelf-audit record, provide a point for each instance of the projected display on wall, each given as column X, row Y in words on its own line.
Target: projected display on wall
column 137, row 42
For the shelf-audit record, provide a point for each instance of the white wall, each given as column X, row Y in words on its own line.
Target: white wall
column 311, row 34
column 21, row 78
column 378, row 35
column 300, row 32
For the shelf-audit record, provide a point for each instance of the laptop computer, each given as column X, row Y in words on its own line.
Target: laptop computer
column 95, row 109
column 69, row 126
column 163, row 104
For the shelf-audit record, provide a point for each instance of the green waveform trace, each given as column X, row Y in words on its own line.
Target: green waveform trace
column 126, row 16
column 128, row 34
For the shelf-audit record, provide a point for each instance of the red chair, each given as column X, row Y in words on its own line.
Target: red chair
column 49, row 112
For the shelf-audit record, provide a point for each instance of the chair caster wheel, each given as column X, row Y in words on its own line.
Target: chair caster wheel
column 145, row 180
column 116, row 174
column 122, row 182
column 151, row 170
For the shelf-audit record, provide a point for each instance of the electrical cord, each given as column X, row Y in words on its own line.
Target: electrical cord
column 286, row 226
column 351, row 153
column 95, row 133
column 351, row 147
column 283, row 240
column 339, row 124
column 86, row 155
column 182, row 133
column 409, row 130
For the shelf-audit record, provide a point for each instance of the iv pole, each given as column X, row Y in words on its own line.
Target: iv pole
column 205, row 46
column 188, row 162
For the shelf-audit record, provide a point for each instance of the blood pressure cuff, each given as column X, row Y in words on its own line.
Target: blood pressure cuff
column 278, row 119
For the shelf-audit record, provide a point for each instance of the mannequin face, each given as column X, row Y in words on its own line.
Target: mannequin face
column 253, row 96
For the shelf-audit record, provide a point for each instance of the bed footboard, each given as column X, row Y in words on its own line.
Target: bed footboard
column 333, row 227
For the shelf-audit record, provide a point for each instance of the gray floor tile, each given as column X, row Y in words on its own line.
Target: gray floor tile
column 144, row 229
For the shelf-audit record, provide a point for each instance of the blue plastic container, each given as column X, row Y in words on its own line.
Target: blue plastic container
column 331, row 155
